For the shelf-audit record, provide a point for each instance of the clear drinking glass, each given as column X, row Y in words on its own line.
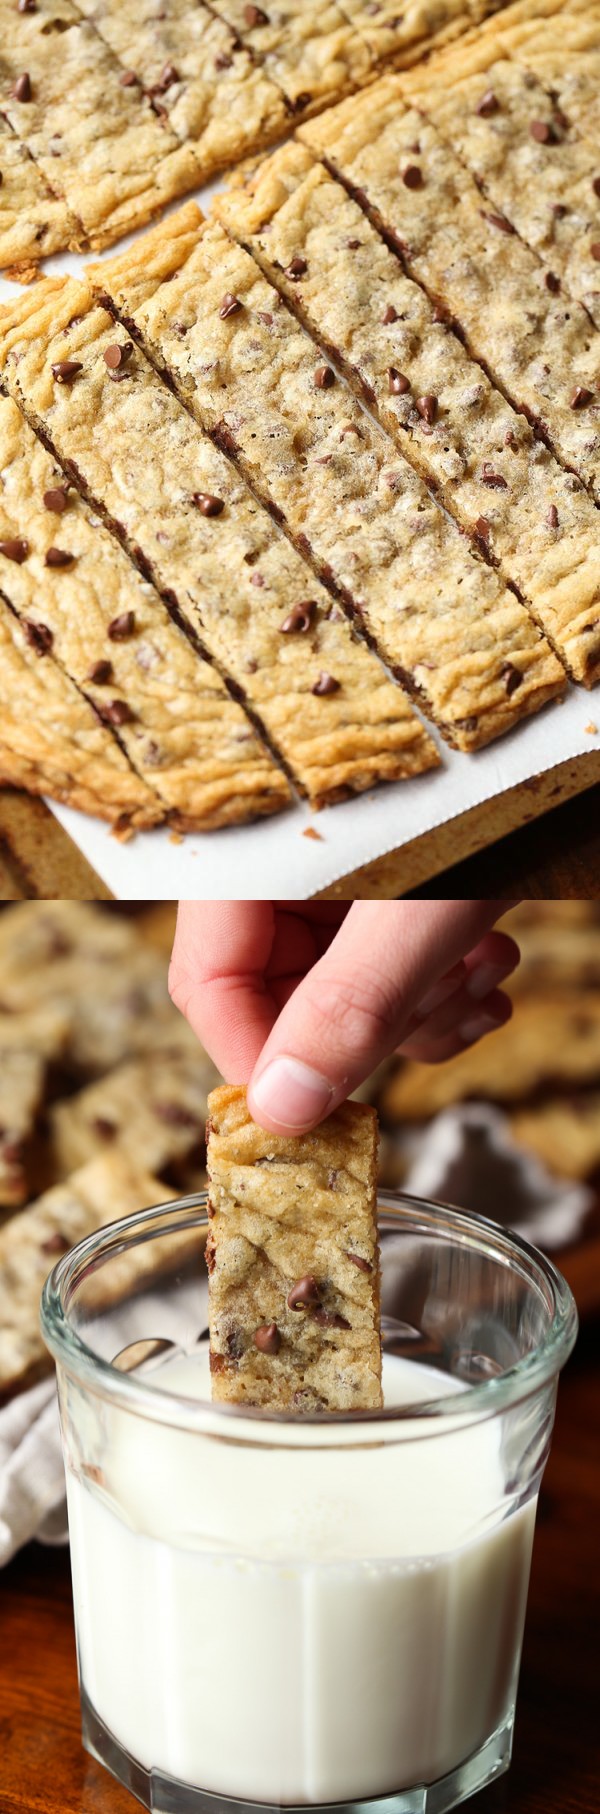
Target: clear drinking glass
column 325, row 1610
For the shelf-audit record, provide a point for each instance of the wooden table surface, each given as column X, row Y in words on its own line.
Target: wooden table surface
column 556, row 1766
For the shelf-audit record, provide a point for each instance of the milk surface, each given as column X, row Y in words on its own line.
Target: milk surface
column 299, row 1624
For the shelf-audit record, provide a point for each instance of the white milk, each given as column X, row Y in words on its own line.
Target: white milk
column 296, row 1624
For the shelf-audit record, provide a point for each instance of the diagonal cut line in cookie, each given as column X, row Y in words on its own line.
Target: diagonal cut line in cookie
column 77, row 592
column 543, row 356
column 33, row 222
column 51, row 742
column 311, row 52
column 253, row 377
column 189, row 522
column 396, row 350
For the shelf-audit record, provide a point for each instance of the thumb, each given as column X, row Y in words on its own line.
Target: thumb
column 352, row 1008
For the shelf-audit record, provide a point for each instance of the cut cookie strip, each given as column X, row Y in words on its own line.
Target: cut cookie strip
column 155, row 1106
column 186, row 514
column 293, row 1260
column 397, row 350
column 33, row 222
column 566, row 57
column 440, row 617
column 27, row 1043
column 202, row 81
column 113, row 635
column 541, row 350
column 394, row 31
column 98, row 143
column 532, row 163
column 564, row 1131
column 310, row 51
column 51, row 742
column 548, row 1042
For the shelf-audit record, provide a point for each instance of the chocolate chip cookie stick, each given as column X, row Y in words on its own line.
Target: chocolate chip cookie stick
column 441, row 618
column 188, row 519
column 293, row 1260
column 542, row 352
column 311, row 51
column 50, row 739
column 397, row 350
column 33, row 222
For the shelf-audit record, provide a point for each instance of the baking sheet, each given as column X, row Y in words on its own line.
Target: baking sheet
column 240, row 863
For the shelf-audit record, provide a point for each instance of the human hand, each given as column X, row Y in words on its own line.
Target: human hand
column 300, row 1001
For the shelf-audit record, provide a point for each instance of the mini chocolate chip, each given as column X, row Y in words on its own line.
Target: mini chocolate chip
column 552, row 517
column 482, row 527
column 267, row 1339
column 398, row 385
column 100, row 672
column 15, row 550
column 389, row 314
column 353, row 244
column 66, row 369
column 262, row 315
column 412, row 176
column 543, row 132
column 39, row 636
column 324, row 377
column 58, row 557
column 580, row 396
column 175, row 1114
column 117, row 712
column 296, row 268
column 489, row 477
column 441, row 313
column 488, row 104
column 552, row 282
column 511, row 676
column 56, row 499
column 57, row 1242
column 510, row 439
column 329, row 1319
column 229, row 305
column 299, row 618
column 427, row 407
column 326, row 684
column 254, row 16
column 105, row 1129
column 559, row 210
column 116, row 356
column 128, row 79
column 304, row 1294
column 497, row 220
column 208, row 505
column 21, row 89
column 223, row 62
column 27, row 6
column 256, row 579
column 168, row 75
column 357, row 1260
column 596, row 185
column 122, row 627
column 595, row 250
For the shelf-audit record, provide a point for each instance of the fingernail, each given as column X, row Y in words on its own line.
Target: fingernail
column 476, row 1027
column 483, row 979
column 290, row 1093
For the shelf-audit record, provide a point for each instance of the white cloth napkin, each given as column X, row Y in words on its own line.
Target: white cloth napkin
column 467, row 1157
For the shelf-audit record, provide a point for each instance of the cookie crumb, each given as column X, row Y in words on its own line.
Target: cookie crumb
column 592, row 729
column 310, row 832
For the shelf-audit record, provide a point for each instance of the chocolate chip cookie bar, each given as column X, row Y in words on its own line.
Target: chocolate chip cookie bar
column 27, row 1043
column 155, row 1105
column 188, row 518
column 253, row 377
column 547, row 1042
column 293, row 1260
column 564, row 1132
column 540, row 351
column 33, row 222
column 398, row 352
column 76, row 590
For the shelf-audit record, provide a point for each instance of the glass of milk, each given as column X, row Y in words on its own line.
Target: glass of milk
column 294, row 1612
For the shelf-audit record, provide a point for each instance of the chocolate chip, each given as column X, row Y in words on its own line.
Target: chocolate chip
column 256, row 579
column 412, row 176
column 15, row 550
column 552, row 517
column 489, row 477
column 357, row 1260
column 229, row 305
column 482, row 527
column 105, row 1129
column 559, row 210
column 427, row 407
column 332, row 1178
column 441, row 313
column 552, row 282
column 128, row 79
column 304, row 1294
column 175, row 1114
column 66, row 370
column 297, row 268
column 390, row 314
column 263, row 316
column 595, row 250
column 223, row 62
column 58, row 557
column 329, row 1319
column 56, row 1243
column 122, row 627
column 324, row 377
column 299, row 618
column 267, row 1339
column 488, row 104
column 326, row 684
column 596, row 185
column 117, row 712
column 510, row 439
column 511, row 676
column 39, row 636
column 580, row 396
column 56, row 499
column 100, row 672
column 27, row 6
column 497, row 220
column 21, row 89
column 208, row 505
column 168, row 75
column 543, row 132
column 353, row 244
column 398, row 385
column 254, row 16
column 115, row 356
